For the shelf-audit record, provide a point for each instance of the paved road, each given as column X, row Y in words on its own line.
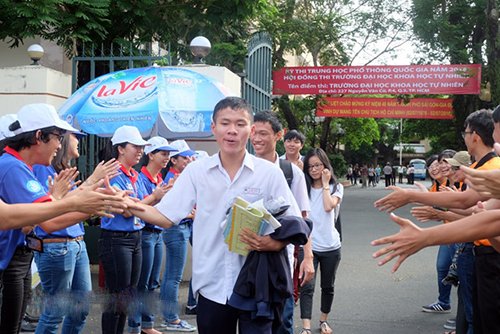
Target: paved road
column 368, row 298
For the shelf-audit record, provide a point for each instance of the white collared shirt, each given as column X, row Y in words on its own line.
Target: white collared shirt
column 298, row 186
column 206, row 184
column 299, row 191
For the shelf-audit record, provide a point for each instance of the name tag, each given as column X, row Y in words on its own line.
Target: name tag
column 252, row 191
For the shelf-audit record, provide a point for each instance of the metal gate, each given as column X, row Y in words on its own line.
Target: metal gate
column 256, row 88
column 95, row 61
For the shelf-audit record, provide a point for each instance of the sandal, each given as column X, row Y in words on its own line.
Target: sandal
column 305, row 331
column 325, row 328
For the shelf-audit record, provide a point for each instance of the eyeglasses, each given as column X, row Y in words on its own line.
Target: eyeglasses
column 466, row 132
column 316, row 166
column 59, row 136
column 455, row 168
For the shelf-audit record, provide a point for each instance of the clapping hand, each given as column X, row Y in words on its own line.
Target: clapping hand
column 61, row 183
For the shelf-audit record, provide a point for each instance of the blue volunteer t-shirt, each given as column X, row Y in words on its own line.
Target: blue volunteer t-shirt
column 42, row 173
column 18, row 184
column 125, row 180
column 149, row 185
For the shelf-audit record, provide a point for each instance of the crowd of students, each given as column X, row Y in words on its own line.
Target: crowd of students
column 465, row 196
column 145, row 215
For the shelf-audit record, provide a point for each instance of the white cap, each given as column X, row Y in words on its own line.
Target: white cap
column 201, row 154
column 37, row 116
column 5, row 121
column 182, row 148
column 158, row 143
column 128, row 134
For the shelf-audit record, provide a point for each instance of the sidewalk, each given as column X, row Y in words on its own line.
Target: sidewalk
column 93, row 324
column 94, row 318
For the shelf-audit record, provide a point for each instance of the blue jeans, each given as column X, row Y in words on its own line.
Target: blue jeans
column 286, row 326
column 121, row 256
column 65, row 277
column 152, row 254
column 176, row 242
column 465, row 270
column 443, row 262
column 191, row 302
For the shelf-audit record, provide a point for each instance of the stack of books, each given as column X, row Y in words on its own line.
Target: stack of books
column 252, row 216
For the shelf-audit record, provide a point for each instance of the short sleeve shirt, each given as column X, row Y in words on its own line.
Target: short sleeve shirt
column 207, row 184
column 125, row 180
column 42, row 174
column 149, row 184
column 324, row 235
column 493, row 163
column 18, row 184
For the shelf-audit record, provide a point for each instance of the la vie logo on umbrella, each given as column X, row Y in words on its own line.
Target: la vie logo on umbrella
column 171, row 102
column 124, row 91
column 137, row 83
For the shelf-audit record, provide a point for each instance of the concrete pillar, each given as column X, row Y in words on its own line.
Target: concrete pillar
column 32, row 84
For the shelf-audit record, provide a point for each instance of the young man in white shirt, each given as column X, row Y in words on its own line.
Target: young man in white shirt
column 212, row 184
column 267, row 131
column 294, row 142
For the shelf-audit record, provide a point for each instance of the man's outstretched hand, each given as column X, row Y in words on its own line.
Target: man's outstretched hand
column 396, row 199
column 409, row 240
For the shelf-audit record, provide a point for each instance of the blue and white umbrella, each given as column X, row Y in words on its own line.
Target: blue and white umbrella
column 168, row 101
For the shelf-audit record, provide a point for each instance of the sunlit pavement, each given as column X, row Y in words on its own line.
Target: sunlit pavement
column 368, row 298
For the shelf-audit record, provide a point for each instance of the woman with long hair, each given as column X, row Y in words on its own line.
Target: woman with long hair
column 63, row 265
column 120, row 249
column 325, row 195
column 156, row 157
column 176, row 241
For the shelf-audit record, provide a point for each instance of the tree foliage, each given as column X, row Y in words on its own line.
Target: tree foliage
column 332, row 32
column 458, row 32
column 63, row 21
column 71, row 22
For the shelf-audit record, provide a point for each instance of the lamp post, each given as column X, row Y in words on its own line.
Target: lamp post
column 35, row 52
column 200, row 47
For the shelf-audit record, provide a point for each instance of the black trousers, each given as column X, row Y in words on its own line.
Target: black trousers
column 217, row 318
column 15, row 290
column 328, row 263
column 121, row 257
column 486, row 292
column 388, row 178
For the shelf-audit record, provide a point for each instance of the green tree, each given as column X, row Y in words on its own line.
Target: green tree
column 332, row 33
column 457, row 32
column 63, row 21
column 72, row 22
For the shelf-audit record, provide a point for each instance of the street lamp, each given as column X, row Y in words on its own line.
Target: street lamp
column 200, row 47
column 35, row 52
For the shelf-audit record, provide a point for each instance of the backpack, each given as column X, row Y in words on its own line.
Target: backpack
column 286, row 168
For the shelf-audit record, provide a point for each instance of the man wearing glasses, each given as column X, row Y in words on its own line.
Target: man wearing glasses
column 37, row 138
column 478, row 137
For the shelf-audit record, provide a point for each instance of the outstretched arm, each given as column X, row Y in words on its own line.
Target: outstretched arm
column 148, row 213
column 88, row 201
column 411, row 238
column 400, row 197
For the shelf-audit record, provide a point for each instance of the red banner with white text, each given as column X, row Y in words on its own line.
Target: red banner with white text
column 401, row 79
column 384, row 108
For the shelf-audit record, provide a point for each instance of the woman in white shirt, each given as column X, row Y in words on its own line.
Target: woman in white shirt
column 325, row 195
